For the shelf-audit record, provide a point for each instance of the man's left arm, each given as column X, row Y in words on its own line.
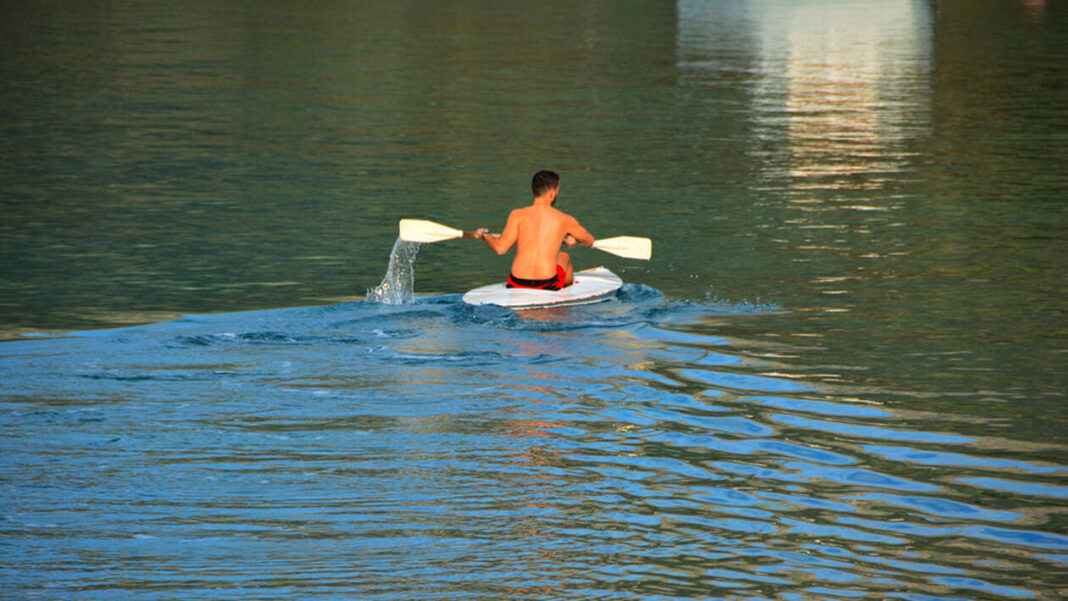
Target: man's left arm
column 501, row 243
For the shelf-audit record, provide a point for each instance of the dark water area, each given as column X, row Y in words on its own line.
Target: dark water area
column 840, row 376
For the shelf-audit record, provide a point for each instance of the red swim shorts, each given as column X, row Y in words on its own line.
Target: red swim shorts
column 554, row 283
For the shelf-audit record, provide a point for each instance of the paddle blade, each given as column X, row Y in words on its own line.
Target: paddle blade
column 630, row 247
column 421, row 230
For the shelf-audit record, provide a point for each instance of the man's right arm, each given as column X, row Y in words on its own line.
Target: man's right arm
column 578, row 233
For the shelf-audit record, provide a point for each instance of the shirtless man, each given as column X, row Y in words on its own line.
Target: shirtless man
column 538, row 231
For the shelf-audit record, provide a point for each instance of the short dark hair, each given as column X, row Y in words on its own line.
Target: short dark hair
column 544, row 181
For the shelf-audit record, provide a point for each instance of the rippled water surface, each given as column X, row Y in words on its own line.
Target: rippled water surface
column 841, row 376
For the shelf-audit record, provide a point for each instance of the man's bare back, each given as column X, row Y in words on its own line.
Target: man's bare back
column 538, row 231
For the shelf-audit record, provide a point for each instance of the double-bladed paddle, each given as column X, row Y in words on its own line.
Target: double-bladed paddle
column 421, row 230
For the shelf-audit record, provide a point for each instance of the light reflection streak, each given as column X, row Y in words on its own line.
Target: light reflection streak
column 837, row 81
column 838, row 104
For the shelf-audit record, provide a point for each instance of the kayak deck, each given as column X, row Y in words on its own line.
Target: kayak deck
column 590, row 286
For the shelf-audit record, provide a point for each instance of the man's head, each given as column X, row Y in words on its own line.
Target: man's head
column 543, row 182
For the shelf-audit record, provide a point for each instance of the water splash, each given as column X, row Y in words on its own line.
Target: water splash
column 398, row 287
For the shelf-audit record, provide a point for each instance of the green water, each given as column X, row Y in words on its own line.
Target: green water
column 889, row 176
column 890, row 173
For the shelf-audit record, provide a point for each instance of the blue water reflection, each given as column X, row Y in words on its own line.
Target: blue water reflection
column 488, row 453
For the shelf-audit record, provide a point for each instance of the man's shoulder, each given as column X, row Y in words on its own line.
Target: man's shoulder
column 531, row 212
column 563, row 216
column 519, row 213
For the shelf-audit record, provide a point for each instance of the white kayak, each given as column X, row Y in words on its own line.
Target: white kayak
column 591, row 286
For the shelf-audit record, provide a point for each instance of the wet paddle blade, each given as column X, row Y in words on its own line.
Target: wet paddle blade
column 630, row 247
column 421, row 230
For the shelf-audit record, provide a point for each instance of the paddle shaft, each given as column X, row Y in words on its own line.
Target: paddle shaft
column 424, row 232
column 488, row 233
column 623, row 246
